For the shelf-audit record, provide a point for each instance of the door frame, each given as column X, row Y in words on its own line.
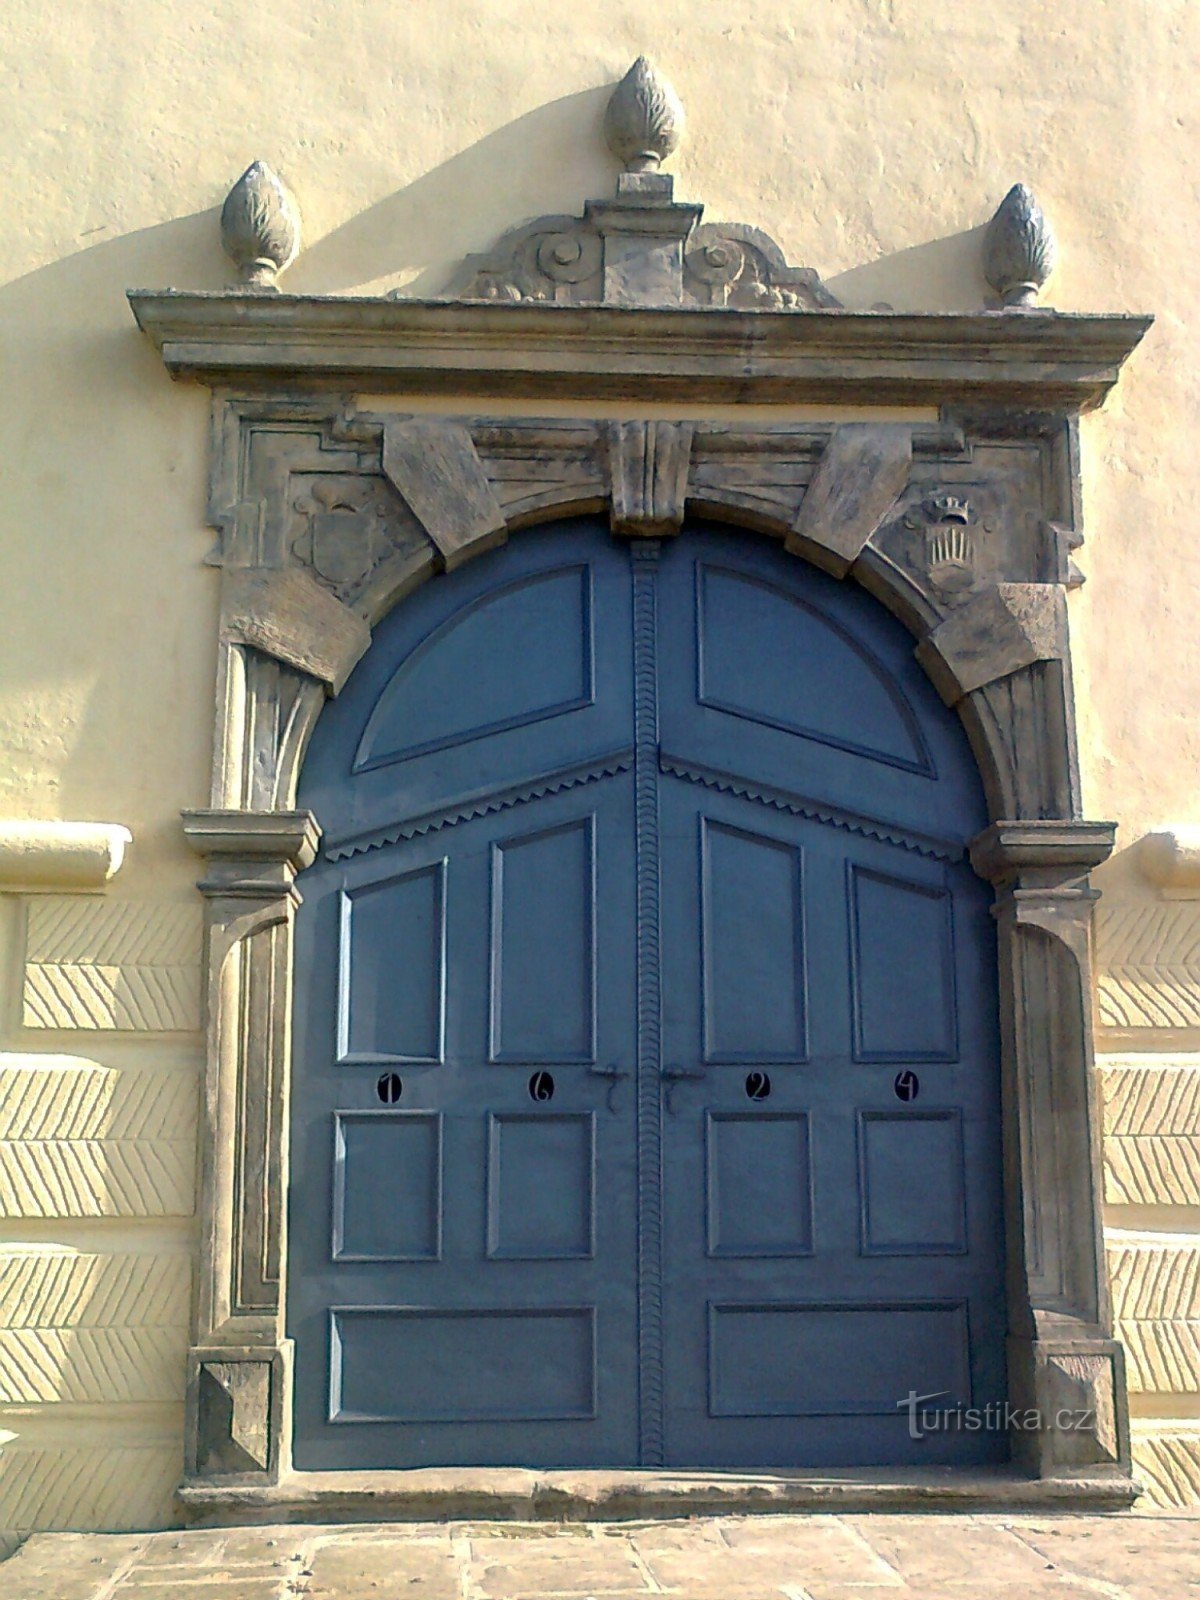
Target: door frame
column 960, row 521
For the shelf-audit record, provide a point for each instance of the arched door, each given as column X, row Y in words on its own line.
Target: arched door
column 646, row 1088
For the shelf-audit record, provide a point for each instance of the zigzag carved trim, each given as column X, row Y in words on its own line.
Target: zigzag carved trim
column 483, row 805
column 812, row 810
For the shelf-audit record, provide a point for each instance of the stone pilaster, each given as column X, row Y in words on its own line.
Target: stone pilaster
column 1064, row 1363
column 239, row 1361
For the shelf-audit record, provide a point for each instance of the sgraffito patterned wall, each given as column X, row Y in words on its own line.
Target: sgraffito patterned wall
column 1148, row 1018
column 98, row 1107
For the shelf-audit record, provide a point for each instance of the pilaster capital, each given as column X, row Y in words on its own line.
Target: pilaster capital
column 1048, row 854
column 252, row 854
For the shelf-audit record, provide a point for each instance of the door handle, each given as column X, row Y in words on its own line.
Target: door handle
column 614, row 1074
column 673, row 1075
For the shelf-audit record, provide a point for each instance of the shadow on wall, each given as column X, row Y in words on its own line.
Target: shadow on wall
column 80, row 380
column 941, row 275
column 550, row 160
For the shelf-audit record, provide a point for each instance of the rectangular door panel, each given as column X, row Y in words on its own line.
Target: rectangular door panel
column 392, row 968
column 387, row 1186
column 911, row 1182
column 427, row 1364
column 543, row 954
column 759, row 1184
column 799, row 1360
column 754, row 989
column 541, row 1186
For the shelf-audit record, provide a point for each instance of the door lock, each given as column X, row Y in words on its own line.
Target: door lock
column 673, row 1075
column 614, row 1074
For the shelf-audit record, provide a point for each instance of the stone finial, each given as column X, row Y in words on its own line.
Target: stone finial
column 1018, row 249
column 644, row 120
column 260, row 226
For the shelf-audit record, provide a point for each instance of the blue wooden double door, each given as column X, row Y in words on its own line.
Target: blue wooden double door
column 645, row 1107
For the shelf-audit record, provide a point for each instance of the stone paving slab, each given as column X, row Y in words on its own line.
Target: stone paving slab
column 867, row 1556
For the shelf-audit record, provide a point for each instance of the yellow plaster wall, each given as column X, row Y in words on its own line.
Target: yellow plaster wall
column 873, row 138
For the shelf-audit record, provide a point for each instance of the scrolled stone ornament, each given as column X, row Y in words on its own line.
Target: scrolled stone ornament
column 718, row 263
column 260, row 226
column 643, row 121
column 1019, row 251
column 572, row 257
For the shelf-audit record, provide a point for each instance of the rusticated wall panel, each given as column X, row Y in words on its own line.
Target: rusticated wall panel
column 78, row 1139
column 1151, row 1130
column 92, row 1328
column 125, row 965
column 93, row 1486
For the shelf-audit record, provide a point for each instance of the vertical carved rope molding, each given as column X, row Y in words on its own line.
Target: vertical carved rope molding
column 649, row 1006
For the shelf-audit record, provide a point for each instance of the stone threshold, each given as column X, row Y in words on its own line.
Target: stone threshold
column 433, row 1494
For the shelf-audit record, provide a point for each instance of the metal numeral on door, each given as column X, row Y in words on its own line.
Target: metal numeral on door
column 541, row 1087
column 758, row 1085
column 907, row 1085
column 390, row 1087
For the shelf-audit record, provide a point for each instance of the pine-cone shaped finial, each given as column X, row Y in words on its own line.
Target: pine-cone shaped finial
column 1018, row 249
column 260, row 226
column 644, row 119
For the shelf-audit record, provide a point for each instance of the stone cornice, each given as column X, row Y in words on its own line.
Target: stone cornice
column 60, row 856
column 1031, row 358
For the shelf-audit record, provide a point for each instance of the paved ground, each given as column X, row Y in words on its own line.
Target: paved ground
column 867, row 1557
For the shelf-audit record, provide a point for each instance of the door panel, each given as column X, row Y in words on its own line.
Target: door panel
column 823, row 1259
column 511, row 1239
column 463, row 1263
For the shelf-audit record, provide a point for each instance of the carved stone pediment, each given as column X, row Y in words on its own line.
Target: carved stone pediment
column 641, row 248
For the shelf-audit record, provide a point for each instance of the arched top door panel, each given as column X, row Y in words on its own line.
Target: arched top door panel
column 514, row 675
column 777, row 674
column 511, row 670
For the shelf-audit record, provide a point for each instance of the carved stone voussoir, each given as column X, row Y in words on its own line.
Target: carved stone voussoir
column 435, row 466
column 649, row 464
column 1001, row 630
column 860, row 476
column 288, row 615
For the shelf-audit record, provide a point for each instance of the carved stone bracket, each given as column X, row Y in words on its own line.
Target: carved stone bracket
column 649, row 463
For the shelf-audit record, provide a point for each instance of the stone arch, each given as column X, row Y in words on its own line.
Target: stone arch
column 930, row 519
